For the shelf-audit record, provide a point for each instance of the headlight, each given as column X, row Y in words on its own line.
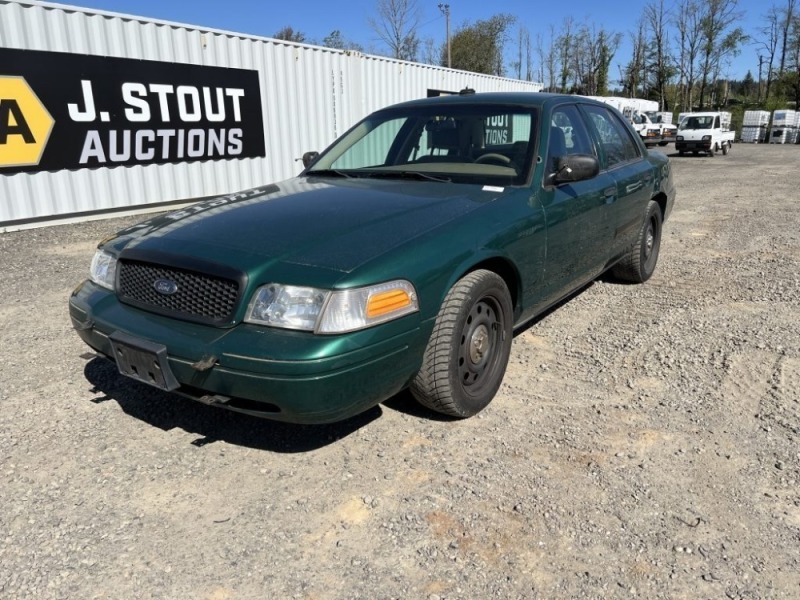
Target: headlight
column 327, row 311
column 104, row 269
column 706, row 138
column 287, row 306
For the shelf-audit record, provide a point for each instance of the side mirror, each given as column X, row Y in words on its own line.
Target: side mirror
column 309, row 158
column 575, row 167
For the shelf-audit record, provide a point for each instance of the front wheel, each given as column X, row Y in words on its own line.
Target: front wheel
column 467, row 353
column 726, row 147
column 639, row 263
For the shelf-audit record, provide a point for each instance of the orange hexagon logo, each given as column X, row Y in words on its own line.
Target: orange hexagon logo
column 25, row 124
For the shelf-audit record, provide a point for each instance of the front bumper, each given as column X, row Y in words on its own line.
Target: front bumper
column 278, row 374
column 651, row 137
column 668, row 138
column 693, row 146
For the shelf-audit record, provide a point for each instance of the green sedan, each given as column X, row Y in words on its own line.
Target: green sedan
column 403, row 256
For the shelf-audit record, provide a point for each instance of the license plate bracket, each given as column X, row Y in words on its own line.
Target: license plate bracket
column 143, row 361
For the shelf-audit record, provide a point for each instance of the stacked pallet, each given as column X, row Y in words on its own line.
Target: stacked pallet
column 784, row 127
column 797, row 127
column 754, row 126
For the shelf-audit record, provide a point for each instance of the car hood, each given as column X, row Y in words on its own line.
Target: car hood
column 326, row 223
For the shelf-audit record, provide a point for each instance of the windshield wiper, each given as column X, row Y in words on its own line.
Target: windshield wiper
column 417, row 175
column 328, row 173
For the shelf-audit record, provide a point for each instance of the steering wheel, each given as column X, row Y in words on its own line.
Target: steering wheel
column 493, row 157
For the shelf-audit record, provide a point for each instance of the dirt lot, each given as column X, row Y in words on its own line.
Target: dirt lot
column 644, row 443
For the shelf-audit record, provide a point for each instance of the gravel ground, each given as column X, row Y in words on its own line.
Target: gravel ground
column 644, row 443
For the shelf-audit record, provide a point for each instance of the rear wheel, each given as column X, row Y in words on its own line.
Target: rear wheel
column 640, row 262
column 467, row 353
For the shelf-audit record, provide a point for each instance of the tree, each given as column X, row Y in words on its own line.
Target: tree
column 565, row 45
column 789, row 17
column 660, row 68
column 769, row 44
column 747, row 85
column 290, row 35
column 718, row 39
column 479, row 47
column 688, row 25
column 548, row 60
column 396, row 24
column 790, row 80
column 635, row 72
column 523, row 55
column 336, row 40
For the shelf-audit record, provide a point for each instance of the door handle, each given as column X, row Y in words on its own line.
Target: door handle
column 610, row 194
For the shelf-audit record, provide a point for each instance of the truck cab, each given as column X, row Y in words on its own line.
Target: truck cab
column 647, row 130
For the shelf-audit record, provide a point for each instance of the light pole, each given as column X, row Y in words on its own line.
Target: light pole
column 445, row 8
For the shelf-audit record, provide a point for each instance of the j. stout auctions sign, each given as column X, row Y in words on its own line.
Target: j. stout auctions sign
column 71, row 111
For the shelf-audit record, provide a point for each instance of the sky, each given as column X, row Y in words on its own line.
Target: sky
column 317, row 19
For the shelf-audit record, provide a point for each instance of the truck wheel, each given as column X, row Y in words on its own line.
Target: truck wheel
column 467, row 353
column 640, row 262
column 712, row 150
column 725, row 148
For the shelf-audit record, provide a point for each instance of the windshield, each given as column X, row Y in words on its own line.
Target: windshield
column 697, row 123
column 484, row 144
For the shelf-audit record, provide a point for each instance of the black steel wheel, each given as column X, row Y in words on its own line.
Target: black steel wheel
column 467, row 354
column 639, row 263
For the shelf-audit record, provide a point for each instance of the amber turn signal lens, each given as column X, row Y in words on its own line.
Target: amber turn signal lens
column 387, row 302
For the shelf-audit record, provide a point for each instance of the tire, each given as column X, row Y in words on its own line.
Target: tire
column 681, row 153
column 712, row 151
column 726, row 146
column 639, row 264
column 663, row 143
column 467, row 353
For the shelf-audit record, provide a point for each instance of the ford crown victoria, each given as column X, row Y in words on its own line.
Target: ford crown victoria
column 403, row 256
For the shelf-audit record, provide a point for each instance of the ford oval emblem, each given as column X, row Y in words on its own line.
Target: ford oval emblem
column 166, row 287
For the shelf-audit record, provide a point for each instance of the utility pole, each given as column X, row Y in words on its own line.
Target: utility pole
column 445, row 8
column 760, row 63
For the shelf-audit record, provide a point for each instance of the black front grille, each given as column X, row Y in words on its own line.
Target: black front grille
column 197, row 296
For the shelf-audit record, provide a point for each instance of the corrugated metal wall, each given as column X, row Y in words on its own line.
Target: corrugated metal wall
column 310, row 95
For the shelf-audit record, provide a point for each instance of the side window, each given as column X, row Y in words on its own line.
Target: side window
column 615, row 139
column 568, row 135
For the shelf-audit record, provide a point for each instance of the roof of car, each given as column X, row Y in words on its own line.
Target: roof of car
column 532, row 99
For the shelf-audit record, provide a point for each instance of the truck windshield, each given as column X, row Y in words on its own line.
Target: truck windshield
column 481, row 143
column 697, row 123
